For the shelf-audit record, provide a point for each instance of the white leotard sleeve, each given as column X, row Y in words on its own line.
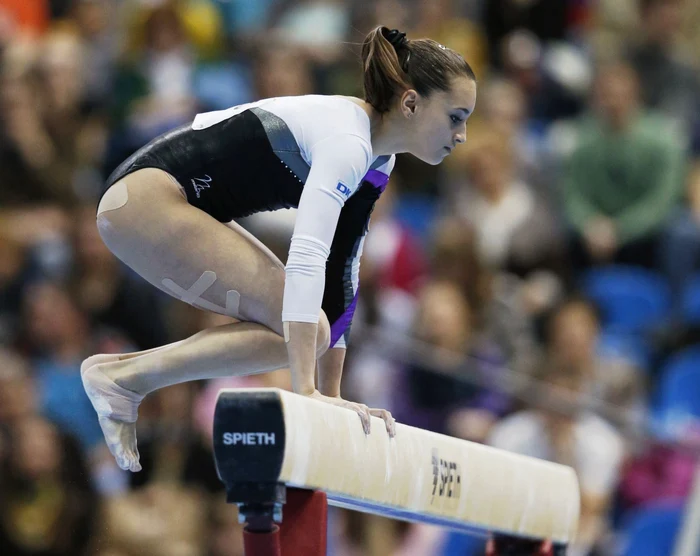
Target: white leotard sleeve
column 337, row 167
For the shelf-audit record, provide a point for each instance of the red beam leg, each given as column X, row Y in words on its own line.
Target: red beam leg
column 259, row 543
column 304, row 527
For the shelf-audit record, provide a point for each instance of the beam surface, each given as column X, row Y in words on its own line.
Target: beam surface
column 270, row 435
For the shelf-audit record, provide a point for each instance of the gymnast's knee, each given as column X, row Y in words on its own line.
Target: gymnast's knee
column 323, row 336
column 113, row 199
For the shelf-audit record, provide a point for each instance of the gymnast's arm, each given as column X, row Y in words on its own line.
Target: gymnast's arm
column 330, row 370
column 338, row 160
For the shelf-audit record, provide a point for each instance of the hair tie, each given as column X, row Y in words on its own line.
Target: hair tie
column 396, row 38
column 399, row 40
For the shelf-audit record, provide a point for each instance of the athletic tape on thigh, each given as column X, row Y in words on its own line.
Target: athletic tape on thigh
column 115, row 197
column 193, row 295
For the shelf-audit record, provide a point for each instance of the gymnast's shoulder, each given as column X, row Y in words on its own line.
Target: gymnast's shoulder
column 323, row 115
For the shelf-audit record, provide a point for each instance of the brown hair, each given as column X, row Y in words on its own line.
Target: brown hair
column 645, row 5
column 455, row 258
column 490, row 141
column 421, row 64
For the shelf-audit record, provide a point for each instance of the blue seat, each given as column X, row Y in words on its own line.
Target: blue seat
column 220, row 85
column 462, row 544
column 691, row 301
column 652, row 531
column 678, row 397
column 630, row 298
column 615, row 344
column 417, row 213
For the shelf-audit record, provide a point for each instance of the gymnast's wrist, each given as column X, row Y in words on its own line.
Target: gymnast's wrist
column 305, row 390
column 329, row 391
column 301, row 348
column 303, row 382
column 330, row 372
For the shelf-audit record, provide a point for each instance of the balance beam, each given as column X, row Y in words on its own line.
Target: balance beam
column 266, row 439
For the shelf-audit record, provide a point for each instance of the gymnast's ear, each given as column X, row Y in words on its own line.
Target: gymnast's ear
column 409, row 100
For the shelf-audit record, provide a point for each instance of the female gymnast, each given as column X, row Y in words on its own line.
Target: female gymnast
column 168, row 214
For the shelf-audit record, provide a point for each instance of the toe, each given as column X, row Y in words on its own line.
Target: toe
column 133, row 460
column 123, row 462
column 120, row 456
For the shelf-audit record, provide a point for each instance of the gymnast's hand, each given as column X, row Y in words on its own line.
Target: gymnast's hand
column 362, row 410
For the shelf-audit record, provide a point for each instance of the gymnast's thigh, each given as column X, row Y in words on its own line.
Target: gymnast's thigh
column 146, row 221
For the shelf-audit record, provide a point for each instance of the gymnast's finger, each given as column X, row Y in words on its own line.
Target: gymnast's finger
column 363, row 413
column 389, row 421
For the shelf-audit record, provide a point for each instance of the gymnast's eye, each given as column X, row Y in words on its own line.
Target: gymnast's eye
column 455, row 119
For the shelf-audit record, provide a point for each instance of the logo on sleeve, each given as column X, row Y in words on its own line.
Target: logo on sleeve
column 344, row 189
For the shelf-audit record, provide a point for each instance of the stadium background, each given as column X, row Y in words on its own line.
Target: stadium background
column 537, row 291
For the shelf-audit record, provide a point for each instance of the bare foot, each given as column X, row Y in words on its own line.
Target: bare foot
column 99, row 358
column 117, row 411
column 121, row 441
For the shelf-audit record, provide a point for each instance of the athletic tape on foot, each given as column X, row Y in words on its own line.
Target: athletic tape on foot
column 193, row 295
column 108, row 398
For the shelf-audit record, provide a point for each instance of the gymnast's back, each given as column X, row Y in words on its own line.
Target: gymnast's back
column 257, row 156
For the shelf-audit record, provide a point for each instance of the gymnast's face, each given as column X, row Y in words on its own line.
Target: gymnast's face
column 438, row 123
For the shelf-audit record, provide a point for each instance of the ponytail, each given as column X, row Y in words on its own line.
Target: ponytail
column 393, row 64
column 383, row 73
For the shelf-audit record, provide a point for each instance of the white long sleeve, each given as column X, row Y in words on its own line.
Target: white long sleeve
column 338, row 165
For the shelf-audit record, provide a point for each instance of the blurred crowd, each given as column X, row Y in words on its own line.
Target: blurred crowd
column 583, row 152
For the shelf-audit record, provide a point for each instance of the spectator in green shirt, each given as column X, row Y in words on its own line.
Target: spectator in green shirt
column 624, row 177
